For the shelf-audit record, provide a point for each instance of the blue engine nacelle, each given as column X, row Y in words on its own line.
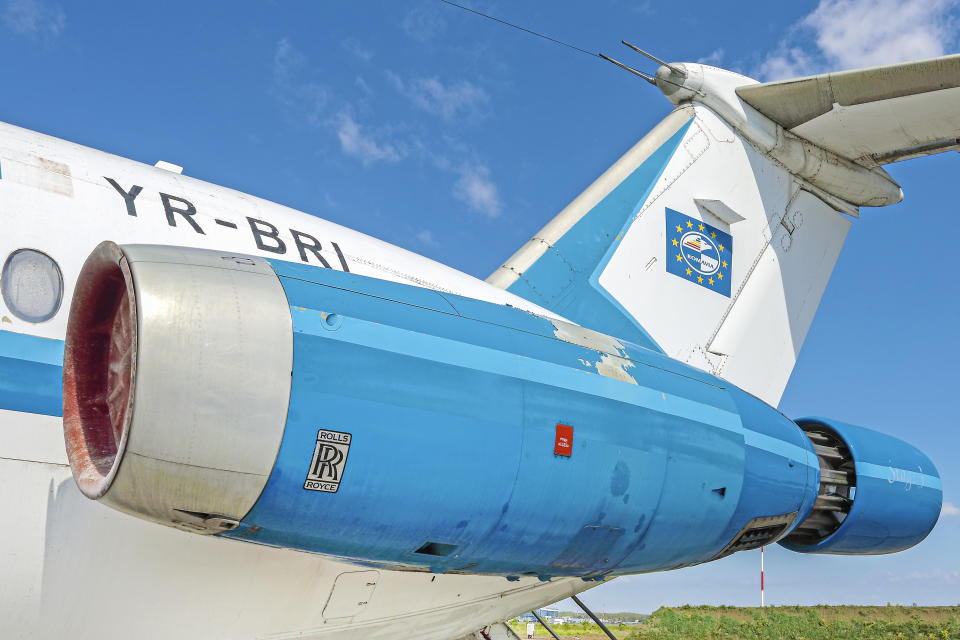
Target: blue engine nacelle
column 878, row 494
column 408, row 428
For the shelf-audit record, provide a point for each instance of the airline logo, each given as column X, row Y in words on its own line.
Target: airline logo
column 699, row 252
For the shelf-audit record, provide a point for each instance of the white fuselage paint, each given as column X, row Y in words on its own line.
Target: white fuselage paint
column 70, row 567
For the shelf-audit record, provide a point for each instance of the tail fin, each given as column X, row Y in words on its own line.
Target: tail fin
column 695, row 242
column 714, row 237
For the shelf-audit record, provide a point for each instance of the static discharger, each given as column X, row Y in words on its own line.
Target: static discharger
column 677, row 70
column 630, row 69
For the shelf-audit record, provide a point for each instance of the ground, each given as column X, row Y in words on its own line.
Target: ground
column 786, row 623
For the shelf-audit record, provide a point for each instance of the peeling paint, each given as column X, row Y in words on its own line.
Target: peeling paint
column 587, row 338
column 615, row 367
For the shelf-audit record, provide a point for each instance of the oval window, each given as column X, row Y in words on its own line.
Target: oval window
column 32, row 285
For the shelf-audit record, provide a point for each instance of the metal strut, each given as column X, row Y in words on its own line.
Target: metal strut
column 593, row 615
column 545, row 625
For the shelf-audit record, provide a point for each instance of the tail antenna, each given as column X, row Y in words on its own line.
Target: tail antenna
column 677, row 70
column 646, row 77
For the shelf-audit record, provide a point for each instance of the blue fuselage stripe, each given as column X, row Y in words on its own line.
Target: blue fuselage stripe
column 31, row 370
column 31, row 374
column 23, row 346
column 780, row 447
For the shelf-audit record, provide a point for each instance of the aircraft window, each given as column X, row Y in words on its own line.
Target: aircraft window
column 32, row 285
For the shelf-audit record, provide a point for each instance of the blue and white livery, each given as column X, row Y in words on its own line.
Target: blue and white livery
column 210, row 398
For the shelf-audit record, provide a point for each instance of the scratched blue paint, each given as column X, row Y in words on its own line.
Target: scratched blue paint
column 31, row 374
column 452, row 406
column 898, row 496
column 564, row 278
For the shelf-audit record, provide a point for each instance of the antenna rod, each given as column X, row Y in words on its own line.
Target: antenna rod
column 630, row 69
column 676, row 70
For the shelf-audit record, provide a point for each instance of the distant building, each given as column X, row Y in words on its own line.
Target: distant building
column 548, row 614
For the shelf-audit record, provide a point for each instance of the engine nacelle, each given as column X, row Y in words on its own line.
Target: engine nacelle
column 193, row 348
column 407, row 428
column 878, row 494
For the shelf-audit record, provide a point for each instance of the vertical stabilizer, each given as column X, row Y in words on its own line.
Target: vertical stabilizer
column 696, row 242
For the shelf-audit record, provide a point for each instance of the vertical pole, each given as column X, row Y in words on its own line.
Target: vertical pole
column 761, row 578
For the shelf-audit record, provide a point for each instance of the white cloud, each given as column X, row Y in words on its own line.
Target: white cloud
column 859, row 33
column 787, row 62
column 305, row 99
column 714, row 58
column 358, row 144
column 286, row 61
column 423, row 23
column 949, row 510
column 353, row 46
column 938, row 575
column 361, row 84
column 448, row 101
column 475, row 189
column 34, row 18
column 426, row 237
column 847, row 34
column 390, row 141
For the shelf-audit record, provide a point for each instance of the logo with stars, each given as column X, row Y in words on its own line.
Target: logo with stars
column 699, row 252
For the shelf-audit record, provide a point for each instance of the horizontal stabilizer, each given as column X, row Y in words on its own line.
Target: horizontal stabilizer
column 873, row 116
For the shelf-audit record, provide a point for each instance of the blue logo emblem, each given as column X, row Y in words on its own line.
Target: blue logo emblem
column 699, row 252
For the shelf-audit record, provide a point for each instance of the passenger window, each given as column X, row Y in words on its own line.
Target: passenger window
column 32, row 285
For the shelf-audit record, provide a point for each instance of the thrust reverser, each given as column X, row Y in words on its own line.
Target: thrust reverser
column 402, row 427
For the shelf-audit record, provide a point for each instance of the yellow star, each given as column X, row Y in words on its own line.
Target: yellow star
column 689, row 224
column 679, row 257
column 674, row 242
column 713, row 235
column 688, row 271
column 679, row 228
column 700, row 279
column 720, row 275
column 724, row 264
column 701, row 227
column 721, row 247
column 711, row 280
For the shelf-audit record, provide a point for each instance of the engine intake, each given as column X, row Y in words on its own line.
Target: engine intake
column 146, row 338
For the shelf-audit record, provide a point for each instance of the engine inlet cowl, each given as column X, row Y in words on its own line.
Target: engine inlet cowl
column 176, row 382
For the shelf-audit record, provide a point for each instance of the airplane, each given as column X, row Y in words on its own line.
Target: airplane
column 225, row 418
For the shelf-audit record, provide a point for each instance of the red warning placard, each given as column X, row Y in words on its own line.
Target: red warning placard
column 563, row 445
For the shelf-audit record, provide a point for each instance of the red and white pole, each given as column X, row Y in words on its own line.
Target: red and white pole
column 761, row 577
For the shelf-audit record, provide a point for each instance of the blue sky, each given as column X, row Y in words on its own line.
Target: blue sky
column 459, row 138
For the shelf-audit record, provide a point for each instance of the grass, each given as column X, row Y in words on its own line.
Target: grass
column 777, row 623
column 584, row 631
column 802, row 623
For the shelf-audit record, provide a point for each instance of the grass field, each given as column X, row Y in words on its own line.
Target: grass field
column 778, row 623
column 587, row 631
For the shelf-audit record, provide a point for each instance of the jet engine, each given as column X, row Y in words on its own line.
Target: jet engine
column 877, row 494
column 407, row 428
